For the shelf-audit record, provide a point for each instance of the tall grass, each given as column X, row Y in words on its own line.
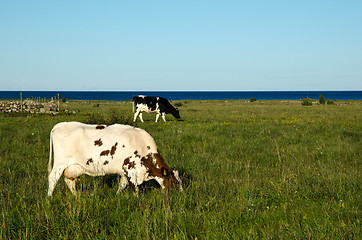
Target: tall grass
column 266, row 169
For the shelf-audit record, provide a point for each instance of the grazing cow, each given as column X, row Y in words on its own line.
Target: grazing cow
column 158, row 105
column 97, row 150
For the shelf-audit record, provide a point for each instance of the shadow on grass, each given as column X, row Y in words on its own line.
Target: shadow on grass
column 111, row 181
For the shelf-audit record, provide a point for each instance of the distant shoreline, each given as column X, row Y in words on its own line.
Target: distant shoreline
column 184, row 95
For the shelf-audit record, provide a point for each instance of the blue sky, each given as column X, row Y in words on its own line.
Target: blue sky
column 181, row 45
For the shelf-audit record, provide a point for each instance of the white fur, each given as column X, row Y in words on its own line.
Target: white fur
column 144, row 108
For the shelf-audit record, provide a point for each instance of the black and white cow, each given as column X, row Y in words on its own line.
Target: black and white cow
column 97, row 150
column 158, row 105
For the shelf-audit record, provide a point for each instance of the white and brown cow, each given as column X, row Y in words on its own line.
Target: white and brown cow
column 97, row 150
column 159, row 105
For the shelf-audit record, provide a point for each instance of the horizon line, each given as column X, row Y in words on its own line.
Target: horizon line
column 179, row 90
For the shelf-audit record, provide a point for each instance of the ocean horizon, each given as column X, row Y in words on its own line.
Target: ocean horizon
column 183, row 95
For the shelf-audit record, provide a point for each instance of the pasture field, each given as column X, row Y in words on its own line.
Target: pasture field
column 260, row 170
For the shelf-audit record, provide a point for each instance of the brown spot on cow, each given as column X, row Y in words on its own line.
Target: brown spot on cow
column 148, row 147
column 136, row 154
column 104, row 153
column 123, row 146
column 127, row 164
column 154, row 163
column 157, row 167
column 114, row 148
column 98, row 142
column 131, row 165
column 100, row 127
column 105, row 162
column 132, row 186
column 126, row 161
column 89, row 161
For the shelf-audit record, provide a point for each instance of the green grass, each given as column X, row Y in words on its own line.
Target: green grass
column 260, row 170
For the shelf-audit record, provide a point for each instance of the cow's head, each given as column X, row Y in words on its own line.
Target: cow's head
column 171, row 179
column 175, row 112
column 158, row 170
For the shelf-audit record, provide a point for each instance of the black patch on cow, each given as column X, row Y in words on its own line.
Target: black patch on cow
column 105, row 162
column 98, row 142
column 114, row 148
column 105, row 153
column 89, row 161
column 100, row 127
column 149, row 101
column 166, row 107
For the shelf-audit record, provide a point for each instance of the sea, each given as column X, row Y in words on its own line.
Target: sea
column 183, row 95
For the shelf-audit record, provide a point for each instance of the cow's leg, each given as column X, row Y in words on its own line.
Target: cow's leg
column 135, row 116
column 53, row 178
column 132, row 181
column 157, row 116
column 164, row 116
column 122, row 184
column 140, row 115
column 71, row 184
column 71, row 173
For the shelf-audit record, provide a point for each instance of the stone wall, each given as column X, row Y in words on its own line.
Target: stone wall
column 29, row 106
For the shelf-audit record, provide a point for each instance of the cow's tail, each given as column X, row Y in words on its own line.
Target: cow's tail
column 50, row 153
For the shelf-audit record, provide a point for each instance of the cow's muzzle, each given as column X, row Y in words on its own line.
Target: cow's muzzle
column 177, row 176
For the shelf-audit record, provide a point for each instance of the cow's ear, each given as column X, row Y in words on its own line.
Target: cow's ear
column 164, row 172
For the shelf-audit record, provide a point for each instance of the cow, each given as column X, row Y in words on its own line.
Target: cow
column 158, row 105
column 98, row 150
